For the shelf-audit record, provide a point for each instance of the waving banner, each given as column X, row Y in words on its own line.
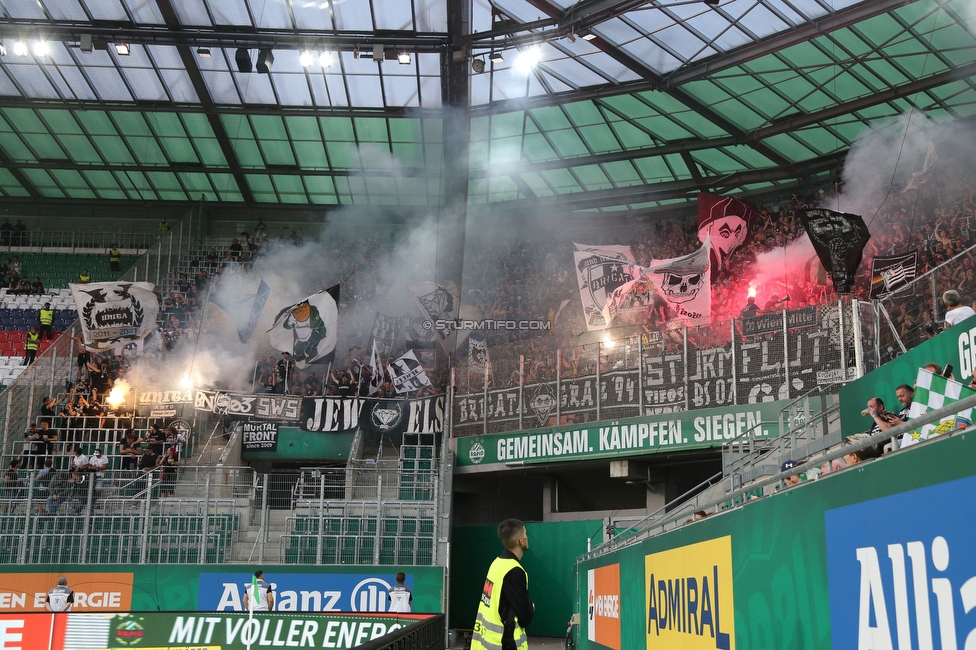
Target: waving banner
column 408, row 374
column 725, row 220
column 386, row 331
column 600, row 270
column 114, row 314
column 243, row 308
column 889, row 274
column 307, row 330
column 839, row 239
column 685, row 284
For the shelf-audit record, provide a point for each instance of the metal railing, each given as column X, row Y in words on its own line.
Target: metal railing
column 776, row 356
column 41, row 239
column 676, row 514
column 427, row 634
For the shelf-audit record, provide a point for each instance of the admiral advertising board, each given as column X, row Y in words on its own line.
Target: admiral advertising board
column 689, row 597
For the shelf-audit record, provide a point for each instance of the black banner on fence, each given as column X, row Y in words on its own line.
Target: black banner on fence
column 259, row 436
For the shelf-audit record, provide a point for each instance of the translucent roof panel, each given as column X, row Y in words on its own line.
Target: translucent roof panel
column 668, row 93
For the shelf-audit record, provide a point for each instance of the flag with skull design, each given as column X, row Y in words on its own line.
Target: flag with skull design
column 726, row 220
column 839, row 239
column 685, row 284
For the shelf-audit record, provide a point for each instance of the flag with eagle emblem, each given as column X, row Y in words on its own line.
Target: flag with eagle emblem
column 114, row 314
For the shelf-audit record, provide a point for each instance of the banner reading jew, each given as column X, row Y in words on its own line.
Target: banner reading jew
column 114, row 314
column 308, row 330
column 726, row 221
column 889, row 274
column 839, row 239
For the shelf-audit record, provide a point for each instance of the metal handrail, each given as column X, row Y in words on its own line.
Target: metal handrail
column 842, row 450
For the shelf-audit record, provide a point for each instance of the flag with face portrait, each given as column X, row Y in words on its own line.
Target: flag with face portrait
column 599, row 271
column 839, row 239
column 725, row 220
column 114, row 314
column 889, row 274
column 308, row 329
column 477, row 357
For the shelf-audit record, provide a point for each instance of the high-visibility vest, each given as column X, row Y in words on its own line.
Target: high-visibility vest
column 31, row 342
column 46, row 316
column 488, row 625
column 163, row 227
column 84, row 278
column 114, row 255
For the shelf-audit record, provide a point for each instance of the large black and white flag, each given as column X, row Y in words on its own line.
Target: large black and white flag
column 889, row 274
column 599, row 271
column 243, row 308
column 114, row 314
column 440, row 305
column 386, row 330
column 418, row 334
column 307, row 330
column 839, row 240
column 408, row 374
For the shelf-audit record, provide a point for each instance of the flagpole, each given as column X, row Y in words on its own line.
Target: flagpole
column 250, row 607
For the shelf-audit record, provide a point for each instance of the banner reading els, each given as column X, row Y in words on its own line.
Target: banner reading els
column 94, row 592
column 603, row 606
column 689, row 597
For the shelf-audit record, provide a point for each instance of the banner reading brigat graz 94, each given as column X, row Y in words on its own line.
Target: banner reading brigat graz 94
column 663, row 433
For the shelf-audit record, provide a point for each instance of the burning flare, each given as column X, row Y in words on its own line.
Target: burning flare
column 117, row 395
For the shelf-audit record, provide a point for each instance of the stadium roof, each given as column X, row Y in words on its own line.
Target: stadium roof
column 631, row 105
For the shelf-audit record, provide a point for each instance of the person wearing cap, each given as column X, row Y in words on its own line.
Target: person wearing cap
column 98, row 463
column 793, row 479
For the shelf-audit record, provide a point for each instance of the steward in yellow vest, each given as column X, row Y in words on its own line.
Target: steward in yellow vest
column 31, row 343
column 505, row 609
column 45, row 317
column 114, row 259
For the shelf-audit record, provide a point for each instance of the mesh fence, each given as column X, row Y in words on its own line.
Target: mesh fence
column 774, row 356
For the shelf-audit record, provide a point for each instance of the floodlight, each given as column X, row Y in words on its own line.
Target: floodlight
column 496, row 57
column 377, row 52
column 478, row 65
column 122, row 49
column 265, row 61
column 41, row 48
column 403, row 58
column 3, row 50
column 528, row 59
column 326, row 60
column 20, row 48
column 204, row 51
column 305, row 58
column 243, row 58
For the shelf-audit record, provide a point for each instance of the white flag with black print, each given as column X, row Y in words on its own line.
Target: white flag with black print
column 307, row 330
column 685, row 284
column 408, row 374
column 376, row 371
column 114, row 314
column 439, row 304
column 386, row 331
column 478, row 359
column 599, row 271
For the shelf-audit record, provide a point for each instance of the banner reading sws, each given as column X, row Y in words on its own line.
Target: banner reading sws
column 661, row 433
column 689, row 597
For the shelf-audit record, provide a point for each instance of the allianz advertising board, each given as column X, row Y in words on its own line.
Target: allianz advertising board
column 902, row 570
column 301, row 592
